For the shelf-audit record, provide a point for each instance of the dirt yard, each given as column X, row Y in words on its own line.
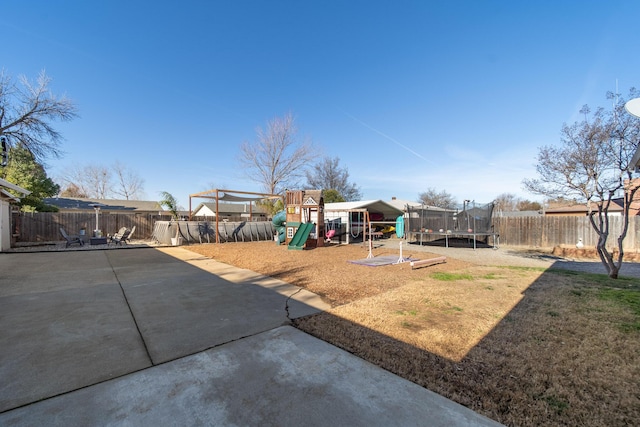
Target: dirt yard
column 521, row 345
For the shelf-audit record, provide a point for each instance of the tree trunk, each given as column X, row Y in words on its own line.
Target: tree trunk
column 607, row 261
column 602, row 228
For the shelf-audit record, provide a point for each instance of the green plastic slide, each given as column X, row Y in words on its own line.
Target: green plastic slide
column 300, row 238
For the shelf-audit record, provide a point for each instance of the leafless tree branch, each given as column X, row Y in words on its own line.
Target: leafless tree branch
column 26, row 113
column 276, row 159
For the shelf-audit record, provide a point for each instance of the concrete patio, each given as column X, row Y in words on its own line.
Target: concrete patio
column 167, row 337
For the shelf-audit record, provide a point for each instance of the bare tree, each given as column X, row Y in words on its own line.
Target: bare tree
column 26, row 110
column 441, row 199
column 506, row 202
column 593, row 166
column 328, row 175
column 101, row 182
column 276, row 160
column 528, row 205
column 92, row 180
column 128, row 183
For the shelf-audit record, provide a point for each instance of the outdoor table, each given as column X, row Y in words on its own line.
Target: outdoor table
column 98, row 240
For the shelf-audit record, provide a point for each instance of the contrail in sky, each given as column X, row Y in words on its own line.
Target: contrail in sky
column 387, row 136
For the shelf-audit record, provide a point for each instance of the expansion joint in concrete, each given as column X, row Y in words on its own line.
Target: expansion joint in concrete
column 135, row 321
column 286, row 304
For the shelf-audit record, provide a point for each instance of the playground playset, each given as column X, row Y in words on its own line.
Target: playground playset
column 357, row 221
column 304, row 220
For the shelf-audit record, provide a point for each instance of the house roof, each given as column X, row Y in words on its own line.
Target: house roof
column 514, row 214
column 402, row 204
column 77, row 203
column 5, row 195
column 616, row 206
column 377, row 206
column 12, row 186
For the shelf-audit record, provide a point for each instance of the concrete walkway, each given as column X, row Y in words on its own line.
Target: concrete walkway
column 168, row 337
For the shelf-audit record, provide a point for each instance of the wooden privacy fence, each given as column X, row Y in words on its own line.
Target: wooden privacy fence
column 534, row 231
column 45, row 226
column 549, row 231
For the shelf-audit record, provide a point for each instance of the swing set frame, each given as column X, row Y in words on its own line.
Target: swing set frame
column 363, row 226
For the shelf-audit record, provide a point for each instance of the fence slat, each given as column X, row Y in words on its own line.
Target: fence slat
column 549, row 231
column 45, row 226
column 544, row 231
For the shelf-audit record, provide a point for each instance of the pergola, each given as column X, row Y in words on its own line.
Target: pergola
column 231, row 196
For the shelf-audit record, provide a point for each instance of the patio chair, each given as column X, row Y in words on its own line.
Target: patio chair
column 126, row 238
column 120, row 236
column 71, row 240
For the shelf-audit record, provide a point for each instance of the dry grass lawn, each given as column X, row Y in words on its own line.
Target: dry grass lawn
column 522, row 346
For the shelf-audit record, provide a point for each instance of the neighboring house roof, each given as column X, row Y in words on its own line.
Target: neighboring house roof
column 616, row 207
column 617, row 204
column 515, row 214
column 82, row 204
column 402, row 204
column 377, row 206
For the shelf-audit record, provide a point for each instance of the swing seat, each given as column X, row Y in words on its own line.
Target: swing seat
column 330, row 234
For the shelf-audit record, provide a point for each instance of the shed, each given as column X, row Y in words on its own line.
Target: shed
column 380, row 213
column 7, row 198
column 381, row 209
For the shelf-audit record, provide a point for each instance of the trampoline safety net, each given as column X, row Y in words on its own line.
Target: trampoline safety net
column 429, row 223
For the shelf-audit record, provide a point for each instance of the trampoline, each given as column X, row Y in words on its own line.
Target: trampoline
column 428, row 224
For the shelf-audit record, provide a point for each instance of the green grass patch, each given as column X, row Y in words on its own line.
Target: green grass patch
column 453, row 308
column 629, row 299
column 409, row 325
column 408, row 312
column 451, row 277
column 621, row 282
column 556, row 403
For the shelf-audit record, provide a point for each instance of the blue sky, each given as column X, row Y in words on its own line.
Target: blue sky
column 410, row 95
